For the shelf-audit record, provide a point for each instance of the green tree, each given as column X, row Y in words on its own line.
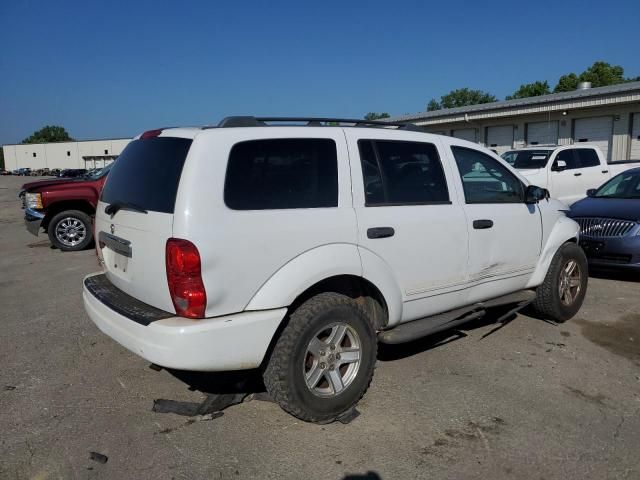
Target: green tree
column 534, row 89
column 566, row 83
column 601, row 74
column 433, row 105
column 461, row 98
column 376, row 115
column 49, row 134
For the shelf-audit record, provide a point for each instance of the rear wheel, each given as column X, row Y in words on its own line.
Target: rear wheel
column 561, row 294
column 70, row 230
column 323, row 362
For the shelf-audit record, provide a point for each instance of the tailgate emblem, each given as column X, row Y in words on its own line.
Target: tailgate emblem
column 113, row 228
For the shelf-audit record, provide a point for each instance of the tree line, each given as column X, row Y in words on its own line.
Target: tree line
column 600, row 74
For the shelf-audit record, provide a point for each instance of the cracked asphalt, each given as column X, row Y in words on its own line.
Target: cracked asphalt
column 532, row 400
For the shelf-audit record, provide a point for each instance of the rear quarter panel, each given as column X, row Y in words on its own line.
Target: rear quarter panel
column 242, row 250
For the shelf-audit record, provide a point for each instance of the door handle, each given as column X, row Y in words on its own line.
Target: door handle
column 605, row 171
column 380, row 232
column 482, row 224
column 577, row 174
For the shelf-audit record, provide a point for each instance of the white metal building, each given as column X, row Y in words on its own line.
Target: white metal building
column 82, row 154
column 606, row 116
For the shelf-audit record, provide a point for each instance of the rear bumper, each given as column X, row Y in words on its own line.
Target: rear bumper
column 32, row 220
column 231, row 342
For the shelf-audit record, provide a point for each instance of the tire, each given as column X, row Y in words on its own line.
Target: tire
column 304, row 347
column 549, row 302
column 70, row 231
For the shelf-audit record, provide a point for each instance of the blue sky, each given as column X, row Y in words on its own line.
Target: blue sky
column 111, row 69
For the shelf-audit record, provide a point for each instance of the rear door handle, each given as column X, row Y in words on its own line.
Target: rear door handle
column 482, row 224
column 605, row 171
column 577, row 174
column 380, row 232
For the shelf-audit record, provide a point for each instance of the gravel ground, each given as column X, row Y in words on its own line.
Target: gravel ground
column 533, row 400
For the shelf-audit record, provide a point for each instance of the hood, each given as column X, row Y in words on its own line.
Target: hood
column 54, row 182
column 622, row 208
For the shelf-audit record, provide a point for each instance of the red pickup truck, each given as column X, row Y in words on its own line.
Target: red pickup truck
column 64, row 208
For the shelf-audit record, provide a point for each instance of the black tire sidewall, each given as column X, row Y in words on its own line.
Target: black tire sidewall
column 77, row 214
column 328, row 407
column 566, row 253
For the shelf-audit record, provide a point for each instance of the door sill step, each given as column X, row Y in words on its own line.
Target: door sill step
column 423, row 327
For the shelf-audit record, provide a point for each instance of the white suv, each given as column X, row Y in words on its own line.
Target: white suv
column 295, row 248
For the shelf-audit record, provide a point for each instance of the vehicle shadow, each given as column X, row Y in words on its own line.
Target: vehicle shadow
column 618, row 275
column 221, row 383
column 249, row 382
column 388, row 352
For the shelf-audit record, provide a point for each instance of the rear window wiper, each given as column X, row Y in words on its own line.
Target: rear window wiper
column 113, row 208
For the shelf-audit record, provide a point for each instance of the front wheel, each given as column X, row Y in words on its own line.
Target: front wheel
column 70, row 230
column 323, row 361
column 561, row 294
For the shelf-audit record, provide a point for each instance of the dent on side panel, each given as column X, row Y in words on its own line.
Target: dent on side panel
column 304, row 271
column 376, row 270
column 564, row 230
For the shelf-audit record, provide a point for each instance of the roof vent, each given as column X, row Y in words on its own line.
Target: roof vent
column 584, row 85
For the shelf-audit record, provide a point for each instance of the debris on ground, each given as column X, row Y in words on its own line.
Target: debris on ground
column 213, row 403
column 98, row 457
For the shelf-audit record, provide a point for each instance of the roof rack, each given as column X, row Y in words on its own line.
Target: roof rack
column 248, row 121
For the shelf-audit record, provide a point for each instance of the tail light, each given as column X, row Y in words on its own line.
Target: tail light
column 185, row 279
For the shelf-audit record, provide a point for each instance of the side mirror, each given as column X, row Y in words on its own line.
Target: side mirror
column 559, row 165
column 533, row 194
column 591, row 192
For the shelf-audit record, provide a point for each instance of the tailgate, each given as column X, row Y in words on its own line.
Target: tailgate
column 132, row 247
column 134, row 217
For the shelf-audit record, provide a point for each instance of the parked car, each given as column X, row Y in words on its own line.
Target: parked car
column 4, row 172
column 23, row 172
column 63, row 208
column 72, row 172
column 609, row 221
column 294, row 249
column 54, row 172
column 566, row 171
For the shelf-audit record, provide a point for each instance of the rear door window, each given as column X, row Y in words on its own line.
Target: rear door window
column 147, row 174
column 587, row 157
column 282, row 174
column 402, row 173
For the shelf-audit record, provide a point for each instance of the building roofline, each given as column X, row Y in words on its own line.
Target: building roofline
column 520, row 102
column 67, row 141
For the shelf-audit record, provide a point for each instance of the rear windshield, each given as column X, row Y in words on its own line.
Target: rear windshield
column 147, row 174
column 529, row 159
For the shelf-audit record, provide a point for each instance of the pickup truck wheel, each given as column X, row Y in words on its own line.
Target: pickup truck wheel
column 323, row 361
column 561, row 294
column 70, row 230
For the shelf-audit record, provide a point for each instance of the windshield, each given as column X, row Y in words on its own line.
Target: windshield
column 147, row 174
column 624, row 185
column 528, row 159
column 98, row 172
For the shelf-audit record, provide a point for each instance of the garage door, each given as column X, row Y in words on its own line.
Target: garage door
column 596, row 131
column 500, row 139
column 635, row 137
column 542, row 133
column 465, row 134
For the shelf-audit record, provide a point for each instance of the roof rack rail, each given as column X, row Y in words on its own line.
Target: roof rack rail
column 249, row 121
